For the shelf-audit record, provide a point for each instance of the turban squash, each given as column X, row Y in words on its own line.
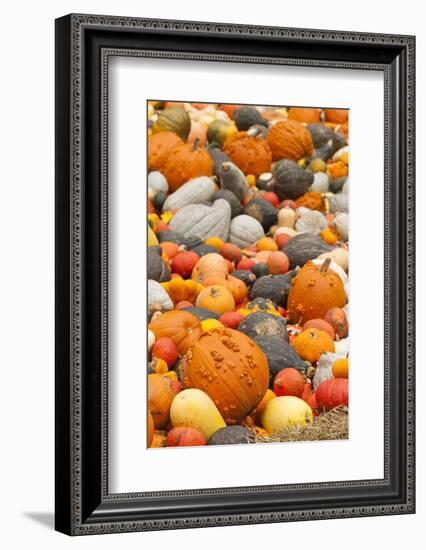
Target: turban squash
column 313, row 291
column 289, row 139
column 230, row 368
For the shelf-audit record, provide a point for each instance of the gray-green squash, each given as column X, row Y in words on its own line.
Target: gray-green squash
column 195, row 191
column 245, row 230
column 199, row 220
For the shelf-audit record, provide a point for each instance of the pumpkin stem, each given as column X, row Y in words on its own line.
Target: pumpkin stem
column 195, row 144
column 325, row 265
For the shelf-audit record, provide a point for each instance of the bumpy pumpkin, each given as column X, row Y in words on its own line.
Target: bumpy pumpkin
column 159, row 147
column 311, row 343
column 289, row 139
column 173, row 119
column 186, row 162
column 182, row 327
column 230, row 367
column 313, row 291
column 251, row 154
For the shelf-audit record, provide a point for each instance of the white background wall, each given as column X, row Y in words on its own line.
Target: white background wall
column 27, row 267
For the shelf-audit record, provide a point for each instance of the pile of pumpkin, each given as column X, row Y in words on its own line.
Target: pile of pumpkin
column 247, row 270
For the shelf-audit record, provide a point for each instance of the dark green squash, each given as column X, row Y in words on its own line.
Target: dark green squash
column 304, row 247
column 157, row 269
column 233, row 201
column 291, row 181
column 202, row 313
column 203, row 249
column 337, row 184
column 260, row 269
column 260, row 323
column 231, row 435
column 280, row 354
column 274, row 287
column 248, row 116
column 323, row 137
column 170, row 236
column 265, row 182
column 244, row 275
column 173, row 119
column 191, row 242
column 218, row 157
column 263, row 211
column 159, row 199
column 234, row 180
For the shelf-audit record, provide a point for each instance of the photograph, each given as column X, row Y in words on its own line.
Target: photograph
column 247, row 266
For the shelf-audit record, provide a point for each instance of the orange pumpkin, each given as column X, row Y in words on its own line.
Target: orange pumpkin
column 186, row 162
column 216, row 298
column 151, row 427
column 180, row 290
column 231, row 368
column 329, row 235
column 278, row 263
column 312, row 200
column 340, row 368
column 313, row 291
column 159, row 148
column 208, row 265
column 304, row 114
column 181, row 326
column 336, row 116
column 332, row 393
column 185, row 437
column 311, row 343
column 160, row 397
column 250, row 153
column 235, row 286
column 288, row 139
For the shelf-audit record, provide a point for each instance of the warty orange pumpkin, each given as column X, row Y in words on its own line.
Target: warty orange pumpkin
column 186, row 162
column 313, row 291
column 250, row 153
column 159, row 147
column 160, row 397
column 230, row 368
column 311, row 343
column 289, row 139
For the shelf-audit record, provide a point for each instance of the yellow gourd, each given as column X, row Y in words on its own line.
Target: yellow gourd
column 193, row 408
column 152, row 237
column 285, row 412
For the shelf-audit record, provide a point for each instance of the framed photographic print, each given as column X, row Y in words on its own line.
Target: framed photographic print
column 234, row 274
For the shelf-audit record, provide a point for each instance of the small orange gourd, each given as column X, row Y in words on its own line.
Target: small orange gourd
column 216, row 298
column 311, row 343
column 181, row 326
column 160, row 397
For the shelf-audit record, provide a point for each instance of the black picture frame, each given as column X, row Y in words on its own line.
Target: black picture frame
column 83, row 46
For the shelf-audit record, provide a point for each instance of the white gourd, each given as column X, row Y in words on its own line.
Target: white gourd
column 338, row 255
column 321, row 183
column 151, row 340
column 324, row 366
column 310, row 221
column 158, row 299
column 341, row 223
column 194, row 191
column 245, row 231
column 199, row 220
column 157, row 182
column 338, row 154
column 338, row 203
column 287, row 217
